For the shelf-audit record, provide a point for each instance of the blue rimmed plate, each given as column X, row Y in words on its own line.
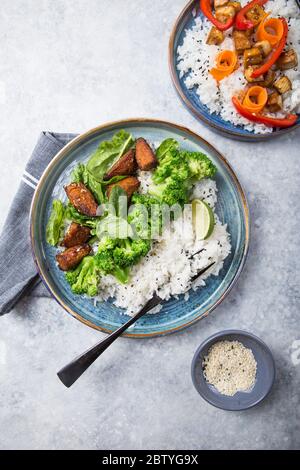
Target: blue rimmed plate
column 190, row 98
column 175, row 314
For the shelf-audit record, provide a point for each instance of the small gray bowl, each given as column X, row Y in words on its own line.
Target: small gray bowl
column 265, row 374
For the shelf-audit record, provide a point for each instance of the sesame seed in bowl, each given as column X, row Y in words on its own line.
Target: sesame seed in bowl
column 233, row 370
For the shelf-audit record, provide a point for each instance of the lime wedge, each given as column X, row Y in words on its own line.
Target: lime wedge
column 203, row 219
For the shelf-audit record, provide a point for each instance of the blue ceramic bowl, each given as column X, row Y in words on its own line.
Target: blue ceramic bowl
column 189, row 96
column 265, row 374
column 175, row 314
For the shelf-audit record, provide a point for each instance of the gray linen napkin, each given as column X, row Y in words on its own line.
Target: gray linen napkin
column 18, row 274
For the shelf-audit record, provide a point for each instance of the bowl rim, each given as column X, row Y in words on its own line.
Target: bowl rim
column 213, row 339
column 217, row 127
column 72, row 145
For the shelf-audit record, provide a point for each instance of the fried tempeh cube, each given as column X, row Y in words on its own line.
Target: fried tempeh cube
column 71, row 257
column 264, row 46
column 126, row 165
column 248, row 74
column 82, row 199
column 130, row 185
column 215, row 36
column 283, row 84
column 76, row 235
column 241, row 40
column 144, row 155
column 288, row 60
column 274, row 103
column 223, row 14
column 220, row 3
column 252, row 56
column 236, row 5
column 268, row 79
column 255, row 14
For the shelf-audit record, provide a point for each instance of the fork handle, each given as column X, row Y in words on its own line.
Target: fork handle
column 72, row 371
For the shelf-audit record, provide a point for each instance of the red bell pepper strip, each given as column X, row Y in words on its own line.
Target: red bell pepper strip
column 274, row 56
column 288, row 121
column 205, row 6
column 241, row 22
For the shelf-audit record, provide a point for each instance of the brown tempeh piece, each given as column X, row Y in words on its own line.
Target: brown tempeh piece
column 71, row 257
column 283, row 84
column 130, row 185
column 82, row 199
column 241, row 40
column 287, row 60
column 223, row 14
column 255, row 14
column 215, row 36
column 126, row 165
column 144, row 155
column 76, row 235
column 274, row 103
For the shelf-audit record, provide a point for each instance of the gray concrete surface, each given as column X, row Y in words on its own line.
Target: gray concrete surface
column 69, row 66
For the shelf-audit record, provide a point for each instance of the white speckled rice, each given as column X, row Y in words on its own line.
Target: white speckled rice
column 167, row 268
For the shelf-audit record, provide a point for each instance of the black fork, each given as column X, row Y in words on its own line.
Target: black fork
column 72, row 371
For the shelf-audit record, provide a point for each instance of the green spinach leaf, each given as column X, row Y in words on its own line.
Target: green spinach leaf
column 165, row 147
column 114, row 227
column 81, row 175
column 72, row 214
column 108, row 153
column 118, row 201
column 55, row 223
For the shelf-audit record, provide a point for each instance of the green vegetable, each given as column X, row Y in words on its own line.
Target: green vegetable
column 145, row 199
column 131, row 252
column 81, row 175
column 72, row 214
column 138, row 218
column 114, row 179
column 172, row 191
column 200, row 165
column 118, row 201
column 85, row 278
column 121, row 275
column 55, row 223
column 177, row 171
column 114, row 227
column 146, row 216
column 108, row 153
column 105, row 260
column 166, row 146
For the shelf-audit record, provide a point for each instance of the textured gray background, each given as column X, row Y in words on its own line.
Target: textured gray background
column 69, row 65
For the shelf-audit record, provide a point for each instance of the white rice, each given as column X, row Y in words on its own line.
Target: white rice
column 196, row 58
column 167, row 269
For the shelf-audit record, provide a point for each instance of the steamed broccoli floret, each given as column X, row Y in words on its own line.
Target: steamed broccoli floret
column 107, row 265
column 85, row 278
column 177, row 172
column 131, row 252
column 138, row 218
column 71, row 276
column 172, row 191
column 146, row 215
column 200, row 165
column 145, row 199
column 106, row 262
column 121, row 274
column 106, row 243
column 171, row 164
